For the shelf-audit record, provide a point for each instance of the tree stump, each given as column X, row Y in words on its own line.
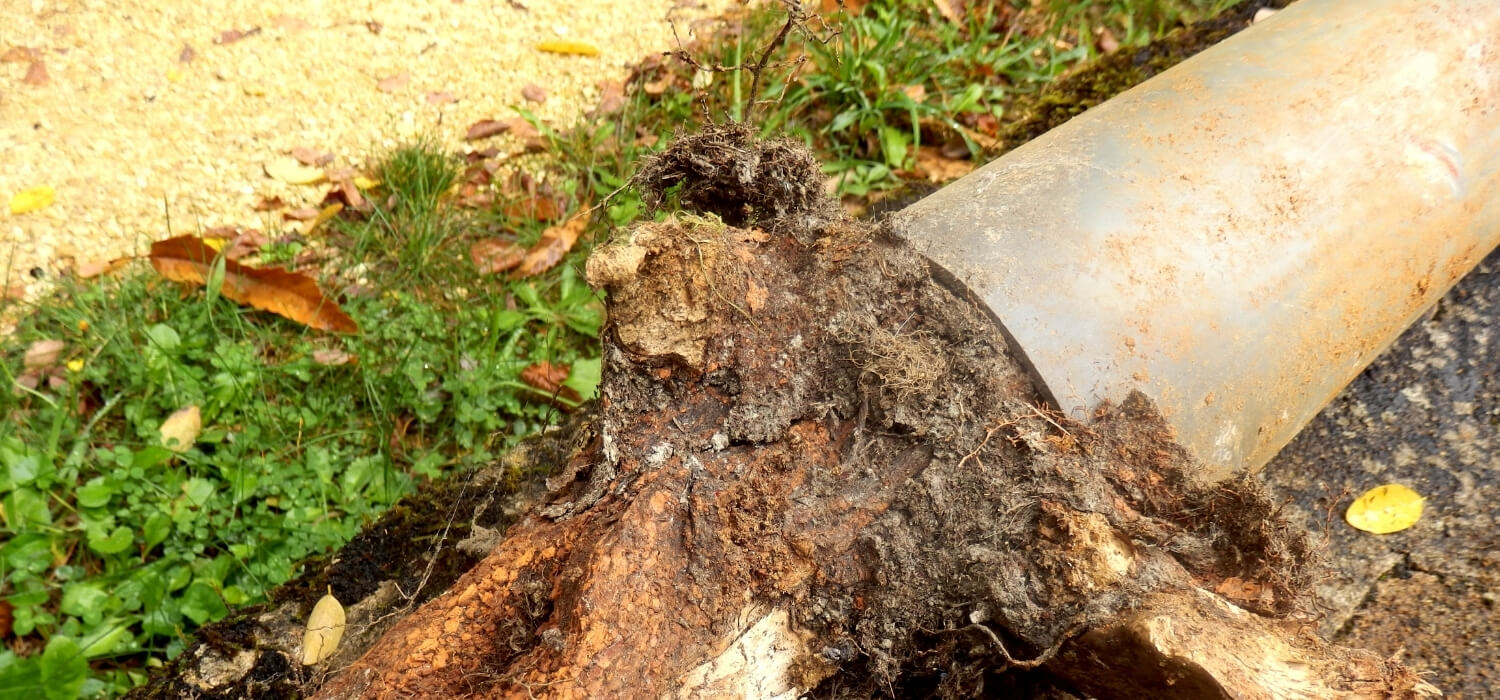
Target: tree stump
column 815, row 470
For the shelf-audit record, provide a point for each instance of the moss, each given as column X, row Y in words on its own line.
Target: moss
column 1118, row 72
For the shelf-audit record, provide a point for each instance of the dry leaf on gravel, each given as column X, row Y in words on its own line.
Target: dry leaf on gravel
column 486, row 128
column 300, row 214
column 36, row 74
column 548, row 378
column 188, row 259
column 492, row 255
column 290, row 171
column 312, row 156
column 90, row 270
column 187, row 54
column 269, row 204
column 565, row 46
column 393, row 83
column 555, row 243
column 20, row 54
column 440, row 98
column 32, row 199
column 229, row 36
column 611, row 97
column 534, row 93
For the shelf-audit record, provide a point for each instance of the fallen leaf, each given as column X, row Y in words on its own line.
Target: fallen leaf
column 42, row 354
column 175, row 75
column 917, row 92
column 333, row 358
column 269, row 204
column 180, row 430
column 365, row 183
column 611, row 97
column 1385, row 509
column 6, row 618
column 21, row 54
column 556, row 241
column 440, row 98
column 14, row 291
column 534, row 93
column 188, row 259
column 92, row 269
column 254, row 89
column 323, row 217
column 290, row 171
column 933, row 165
column 32, row 199
column 486, row 128
column 373, row 26
column 535, row 208
column 300, row 214
column 229, row 36
column 657, row 87
column 290, row 23
column 187, row 54
column 393, row 83
column 311, row 156
column 492, row 255
column 36, row 74
column 565, row 46
column 548, row 378
column 325, row 627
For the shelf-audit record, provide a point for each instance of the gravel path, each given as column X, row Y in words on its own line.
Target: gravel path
column 141, row 112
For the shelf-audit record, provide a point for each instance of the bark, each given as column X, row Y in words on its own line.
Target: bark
column 814, row 470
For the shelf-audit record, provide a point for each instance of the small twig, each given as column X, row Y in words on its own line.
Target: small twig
column 988, row 433
column 1011, row 661
column 794, row 16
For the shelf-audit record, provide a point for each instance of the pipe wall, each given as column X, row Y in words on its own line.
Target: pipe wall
column 1242, row 234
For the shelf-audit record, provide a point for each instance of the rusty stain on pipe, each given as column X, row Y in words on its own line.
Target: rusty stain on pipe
column 1241, row 235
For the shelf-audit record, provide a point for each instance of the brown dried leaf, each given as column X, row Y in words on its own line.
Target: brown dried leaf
column 269, row 204
column 534, row 208
column 534, row 93
column 492, row 255
column 548, row 378
column 36, row 74
column 657, row 87
column 300, row 214
column 187, row 54
column 611, row 97
column 311, row 156
column 374, row 27
column 933, row 165
column 555, row 243
column 1108, row 44
column 486, row 128
column 334, row 358
column 229, row 36
column 393, row 83
column 42, row 354
column 21, row 54
column 440, row 98
column 295, row 296
column 95, row 268
column 951, row 10
column 324, row 215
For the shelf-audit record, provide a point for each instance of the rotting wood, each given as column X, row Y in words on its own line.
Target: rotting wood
column 767, row 506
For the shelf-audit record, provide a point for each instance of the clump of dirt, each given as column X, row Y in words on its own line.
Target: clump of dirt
column 1015, row 528
column 728, row 171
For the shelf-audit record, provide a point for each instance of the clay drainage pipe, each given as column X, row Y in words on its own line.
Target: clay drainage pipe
column 1239, row 236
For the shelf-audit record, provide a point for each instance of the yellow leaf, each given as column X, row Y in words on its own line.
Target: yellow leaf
column 75, row 365
column 323, row 216
column 174, row 75
column 365, row 183
column 1385, row 509
column 325, row 627
column 180, row 430
column 254, row 89
column 30, row 200
column 578, row 48
column 290, row 171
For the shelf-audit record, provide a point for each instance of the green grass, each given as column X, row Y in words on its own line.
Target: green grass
column 113, row 548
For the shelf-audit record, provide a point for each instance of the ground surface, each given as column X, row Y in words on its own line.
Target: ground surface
column 149, row 111
column 1424, row 414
